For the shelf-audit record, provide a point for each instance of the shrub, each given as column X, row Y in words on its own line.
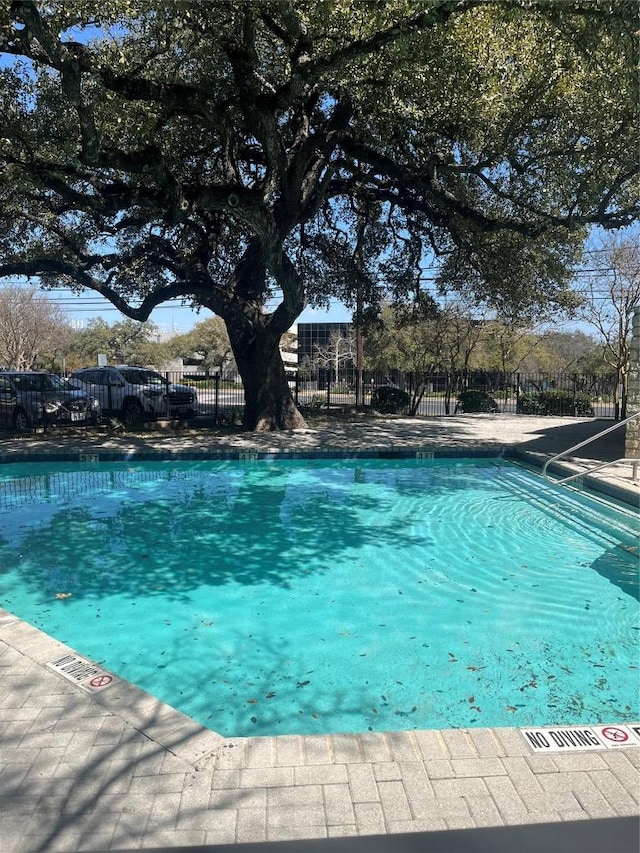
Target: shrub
column 389, row 400
column 555, row 403
column 473, row 400
column 530, row 404
column 314, row 405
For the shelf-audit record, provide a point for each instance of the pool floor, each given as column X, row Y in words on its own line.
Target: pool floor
column 333, row 596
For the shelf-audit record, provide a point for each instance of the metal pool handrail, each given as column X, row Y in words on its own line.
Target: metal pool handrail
column 635, row 462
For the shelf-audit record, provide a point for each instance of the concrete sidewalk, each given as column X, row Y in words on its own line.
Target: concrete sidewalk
column 543, row 434
column 117, row 769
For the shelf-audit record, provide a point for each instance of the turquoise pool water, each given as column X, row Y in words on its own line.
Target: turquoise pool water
column 333, row 595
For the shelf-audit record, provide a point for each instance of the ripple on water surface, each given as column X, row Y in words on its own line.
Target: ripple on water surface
column 272, row 598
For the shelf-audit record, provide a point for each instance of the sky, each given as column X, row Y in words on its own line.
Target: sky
column 171, row 317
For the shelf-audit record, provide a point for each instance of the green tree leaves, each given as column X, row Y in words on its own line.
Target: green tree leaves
column 213, row 152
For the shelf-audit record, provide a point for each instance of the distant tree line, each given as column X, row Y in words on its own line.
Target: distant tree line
column 425, row 337
column 35, row 334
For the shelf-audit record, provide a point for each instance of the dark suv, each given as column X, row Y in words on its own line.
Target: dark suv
column 136, row 394
column 32, row 397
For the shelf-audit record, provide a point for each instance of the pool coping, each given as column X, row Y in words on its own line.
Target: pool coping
column 267, row 789
column 194, row 455
column 159, row 722
column 206, row 789
column 626, row 493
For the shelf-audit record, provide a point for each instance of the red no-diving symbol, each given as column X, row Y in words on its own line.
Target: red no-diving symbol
column 617, row 735
column 100, row 681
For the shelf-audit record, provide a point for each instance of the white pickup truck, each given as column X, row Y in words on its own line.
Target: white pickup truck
column 136, row 394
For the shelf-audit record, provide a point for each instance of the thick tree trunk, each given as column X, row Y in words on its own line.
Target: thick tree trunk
column 255, row 337
column 269, row 403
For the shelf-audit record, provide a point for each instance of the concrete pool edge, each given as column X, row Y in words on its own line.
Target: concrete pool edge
column 240, row 790
column 134, row 454
column 157, row 720
column 627, row 493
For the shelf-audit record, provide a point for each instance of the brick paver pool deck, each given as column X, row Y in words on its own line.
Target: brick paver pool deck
column 118, row 769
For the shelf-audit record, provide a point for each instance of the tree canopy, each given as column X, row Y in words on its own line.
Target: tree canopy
column 252, row 155
column 209, row 342
column 125, row 342
column 33, row 328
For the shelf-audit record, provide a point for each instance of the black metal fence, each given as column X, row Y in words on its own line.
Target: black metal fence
column 560, row 394
column 25, row 405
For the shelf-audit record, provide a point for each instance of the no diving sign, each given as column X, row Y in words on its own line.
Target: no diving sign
column 99, row 682
column 615, row 736
column 82, row 672
column 573, row 738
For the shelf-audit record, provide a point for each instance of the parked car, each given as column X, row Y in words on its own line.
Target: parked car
column 70, row 392
column 32, row 397
column 136, row 394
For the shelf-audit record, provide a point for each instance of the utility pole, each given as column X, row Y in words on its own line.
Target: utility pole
column 359, row 350
column 363, row 217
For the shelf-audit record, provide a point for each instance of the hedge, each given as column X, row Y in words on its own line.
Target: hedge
column 389, row 400
column 555, row 403
column 474, row 400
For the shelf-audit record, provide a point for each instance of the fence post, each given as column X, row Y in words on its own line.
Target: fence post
column 216, row 389
column 296, row 387
column 575, row 401
column 517, row 393
column 166, row 376
column 328, row 389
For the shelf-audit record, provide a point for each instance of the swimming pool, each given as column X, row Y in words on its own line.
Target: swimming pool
column 301, row 596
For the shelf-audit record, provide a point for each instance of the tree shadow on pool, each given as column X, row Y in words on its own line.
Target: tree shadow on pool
column 619, row 565
column 272, row 684
column 168, row 535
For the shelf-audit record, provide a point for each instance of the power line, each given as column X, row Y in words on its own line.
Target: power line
column 89, row 303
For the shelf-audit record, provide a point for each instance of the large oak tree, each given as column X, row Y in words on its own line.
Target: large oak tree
column 241, row 156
